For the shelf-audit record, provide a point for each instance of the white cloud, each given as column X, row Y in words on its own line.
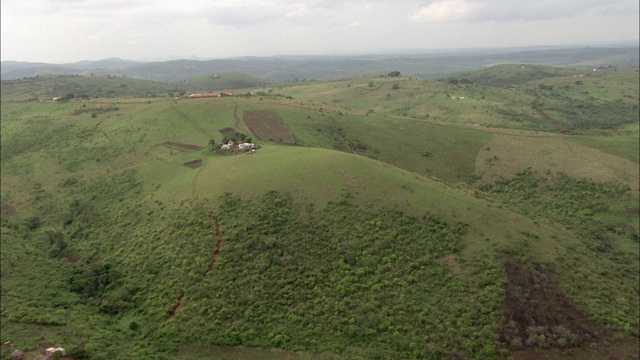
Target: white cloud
column 71, row 30
column 519, row 10
column 446, row 10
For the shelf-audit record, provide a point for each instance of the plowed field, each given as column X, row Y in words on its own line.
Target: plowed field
column 267, row 126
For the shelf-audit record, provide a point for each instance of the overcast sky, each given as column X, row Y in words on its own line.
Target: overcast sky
column 58, row 31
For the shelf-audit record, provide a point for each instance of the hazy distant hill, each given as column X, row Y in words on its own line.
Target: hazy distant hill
column 290, row 68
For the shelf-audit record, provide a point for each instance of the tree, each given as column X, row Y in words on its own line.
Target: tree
column 394, row 74
column 212, row 144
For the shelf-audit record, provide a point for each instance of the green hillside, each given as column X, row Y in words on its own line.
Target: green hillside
column 378, row 218
column 223, row 81
column 50, row 86
column 89, row 86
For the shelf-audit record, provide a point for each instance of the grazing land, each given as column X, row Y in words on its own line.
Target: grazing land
column 380, row 217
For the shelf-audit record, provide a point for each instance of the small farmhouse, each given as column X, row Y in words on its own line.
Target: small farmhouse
column 209, row 95
column 50, row 351
column 240, row 146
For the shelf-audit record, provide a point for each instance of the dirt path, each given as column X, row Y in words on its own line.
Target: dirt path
column 178, row 307
column 235, row 113
column 534, row 105
column 216, row 252
column 352, row 147
column 216, row 233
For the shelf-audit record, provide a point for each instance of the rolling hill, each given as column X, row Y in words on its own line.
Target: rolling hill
column 428, row 65
column 379, row 217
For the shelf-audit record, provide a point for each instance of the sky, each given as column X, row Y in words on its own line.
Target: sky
column 64, row 31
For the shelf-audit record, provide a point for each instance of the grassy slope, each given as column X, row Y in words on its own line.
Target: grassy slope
column 223, row 81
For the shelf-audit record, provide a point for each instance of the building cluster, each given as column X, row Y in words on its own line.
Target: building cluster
column 241, row 146
column 209, row 95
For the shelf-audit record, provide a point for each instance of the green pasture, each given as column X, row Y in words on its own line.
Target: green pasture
column 624, row 146
column 222, row 81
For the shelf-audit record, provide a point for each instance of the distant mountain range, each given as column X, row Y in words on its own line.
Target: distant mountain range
column 290, row 68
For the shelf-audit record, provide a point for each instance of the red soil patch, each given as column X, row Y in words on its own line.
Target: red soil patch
column 178, row 307
column 539, row 315
column 216, row 252
column 72, row 258
column 183, row 146
column 193, row 163
column 7, row 210
column 267, row 126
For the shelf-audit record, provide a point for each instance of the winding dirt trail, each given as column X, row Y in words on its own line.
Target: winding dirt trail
column 178, row 307
column 216, row 252
column 534, row 105
column 352, row 147
column 217, row 236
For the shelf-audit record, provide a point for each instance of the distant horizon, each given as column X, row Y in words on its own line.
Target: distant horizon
column 390, row 52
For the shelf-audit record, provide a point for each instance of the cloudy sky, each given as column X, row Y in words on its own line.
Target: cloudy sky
column 58, row 31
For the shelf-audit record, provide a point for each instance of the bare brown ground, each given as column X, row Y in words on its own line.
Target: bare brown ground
column 193, row 164
column 72, row 258
column 7, row 210
column 178, row 307
column 538, row 315
column 267, row 126
column 226, row 131
column 216, row 252
column 183, row 146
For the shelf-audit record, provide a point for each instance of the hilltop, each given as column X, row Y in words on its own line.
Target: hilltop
column 382, row 216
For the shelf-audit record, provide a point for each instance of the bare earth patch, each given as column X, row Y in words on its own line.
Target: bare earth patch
column 193, row 163
column 539, row 315
column 183, row 146
column 72, row 258
column 267, row 126
column 7, row 210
